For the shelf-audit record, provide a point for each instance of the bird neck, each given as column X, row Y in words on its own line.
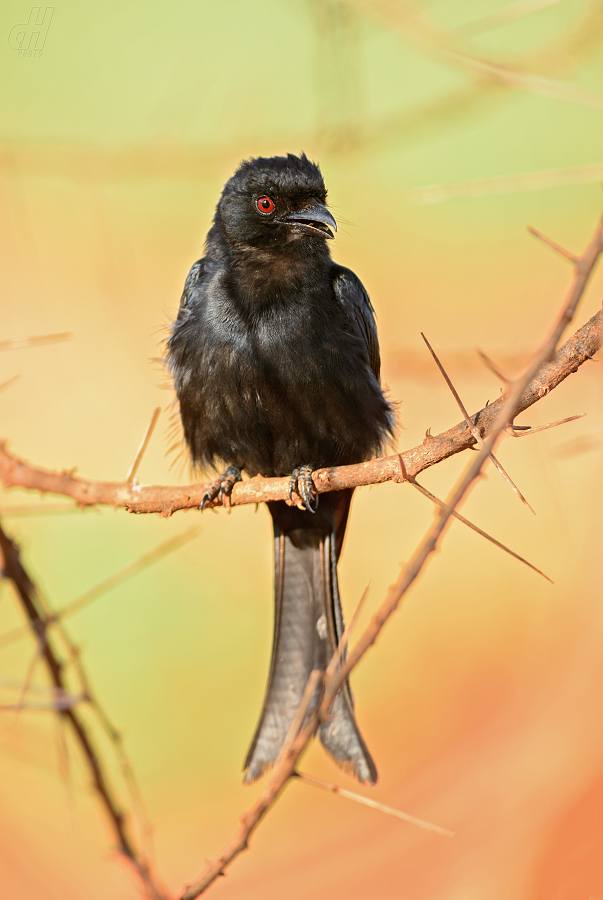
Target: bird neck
column 270, row 275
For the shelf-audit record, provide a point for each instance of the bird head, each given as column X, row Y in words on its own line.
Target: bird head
column 278, row 200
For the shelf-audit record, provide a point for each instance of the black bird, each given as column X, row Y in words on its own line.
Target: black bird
column 275, row 361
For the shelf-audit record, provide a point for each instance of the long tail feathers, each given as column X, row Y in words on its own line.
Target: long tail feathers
column 308, row 624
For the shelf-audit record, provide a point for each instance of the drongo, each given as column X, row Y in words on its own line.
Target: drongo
column 275, row 360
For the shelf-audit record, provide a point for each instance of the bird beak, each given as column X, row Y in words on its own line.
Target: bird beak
column 315, row 220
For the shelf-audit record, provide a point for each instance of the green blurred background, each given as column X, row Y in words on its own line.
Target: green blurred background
column 481, row 701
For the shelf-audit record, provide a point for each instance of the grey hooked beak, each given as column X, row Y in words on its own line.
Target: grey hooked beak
column 315, row 219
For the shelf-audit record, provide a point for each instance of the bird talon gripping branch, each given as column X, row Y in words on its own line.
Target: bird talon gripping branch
column 222, row 486
column 301, row 484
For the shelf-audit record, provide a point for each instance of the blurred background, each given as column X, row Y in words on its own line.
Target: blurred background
column 443, row 129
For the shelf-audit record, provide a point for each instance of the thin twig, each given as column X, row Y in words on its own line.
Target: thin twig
column 64, row 702
column 11, row 381
column 30, row 600
column 541, row 180
column 89, row 596
column 474, row 430
column 38, row 340
column 502, row 16
column 373, row 804
column 128, row 571
column 61, row 699
column 16, row 684
column 554, row 246
column 30, row 670
column 143, row 446
column 63, row 765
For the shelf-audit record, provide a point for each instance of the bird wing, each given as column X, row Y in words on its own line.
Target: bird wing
column 193, row 281
column 352, row 295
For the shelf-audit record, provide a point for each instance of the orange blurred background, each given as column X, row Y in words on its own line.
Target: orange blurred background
column 482, row 700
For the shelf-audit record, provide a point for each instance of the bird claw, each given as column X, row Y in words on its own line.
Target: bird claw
column 301, row 484
column 222, row 486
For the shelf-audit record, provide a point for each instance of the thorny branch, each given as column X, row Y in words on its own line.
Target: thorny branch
column 543, row 374
column 530, row 382
column 139, row 498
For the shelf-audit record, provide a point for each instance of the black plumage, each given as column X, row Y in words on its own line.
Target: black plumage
column 275, row 361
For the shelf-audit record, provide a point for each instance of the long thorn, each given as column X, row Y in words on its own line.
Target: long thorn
column 143, row 446
column 518, row 431
column 475, row 528
column 453, row 390
column 373, row 804
column 509, row 480
column 474, row 431
column 490, row 365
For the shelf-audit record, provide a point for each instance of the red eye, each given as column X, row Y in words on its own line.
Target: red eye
column 264, row 205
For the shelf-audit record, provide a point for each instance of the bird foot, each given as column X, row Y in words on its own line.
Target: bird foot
column 222, row 486
column 301, row 484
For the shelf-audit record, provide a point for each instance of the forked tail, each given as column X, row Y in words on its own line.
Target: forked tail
column 308, row 623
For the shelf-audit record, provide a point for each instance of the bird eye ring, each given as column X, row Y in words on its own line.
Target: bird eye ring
column 264, row 205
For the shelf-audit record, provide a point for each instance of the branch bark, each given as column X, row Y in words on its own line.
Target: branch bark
column 165, row 500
